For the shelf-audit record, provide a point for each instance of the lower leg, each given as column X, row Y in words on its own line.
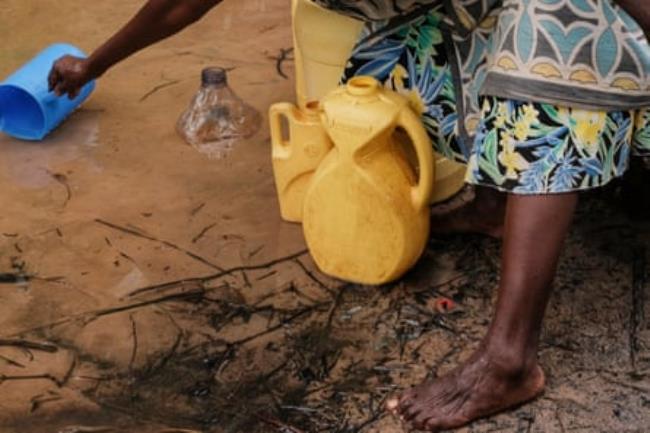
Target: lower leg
column 483, row 214
column 536, row 227
column 504, row 371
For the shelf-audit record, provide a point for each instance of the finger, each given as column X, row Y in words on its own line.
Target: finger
column 60, row 88
column 73, row 93
column 53, row 78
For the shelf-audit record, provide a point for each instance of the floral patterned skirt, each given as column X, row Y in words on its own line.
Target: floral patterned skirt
column 520, row 147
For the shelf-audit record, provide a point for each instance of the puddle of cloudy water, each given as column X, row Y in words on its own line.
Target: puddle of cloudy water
column 216, row 150
column 223, row 210
column 135, row 278
column 31, row 164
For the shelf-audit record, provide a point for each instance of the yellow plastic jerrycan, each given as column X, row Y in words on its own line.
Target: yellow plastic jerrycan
column 366, row 212
column 323, row 41
column 450, row 175
column 450, row 178
column 296, row 159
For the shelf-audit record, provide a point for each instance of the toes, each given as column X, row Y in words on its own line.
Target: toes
column 432, row 425
column 392, row 404
column 421, row 422
column 436, row 424
column 406, row 400
column 436, row 421
column 411, row 413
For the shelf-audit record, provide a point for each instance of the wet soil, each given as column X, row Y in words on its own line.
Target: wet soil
column 146, row 288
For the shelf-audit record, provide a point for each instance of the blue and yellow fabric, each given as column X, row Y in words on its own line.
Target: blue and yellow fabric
column 537, row 96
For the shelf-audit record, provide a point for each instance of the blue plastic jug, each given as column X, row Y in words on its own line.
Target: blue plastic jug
column 28, row 110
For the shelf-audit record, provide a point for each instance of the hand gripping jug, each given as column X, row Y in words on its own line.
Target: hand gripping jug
column 366, row 212
column 296, row 159
column 28, row 110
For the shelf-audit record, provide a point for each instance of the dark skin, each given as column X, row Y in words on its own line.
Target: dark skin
column 504, row 371
column 639, row 10
column 160, row 19
column 157, row 20
column 485, row 215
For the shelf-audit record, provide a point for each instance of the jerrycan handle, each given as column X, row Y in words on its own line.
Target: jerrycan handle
column 276, row 113
column 421, row 193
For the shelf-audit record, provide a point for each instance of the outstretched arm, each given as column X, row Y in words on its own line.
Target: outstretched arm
column 157, row 20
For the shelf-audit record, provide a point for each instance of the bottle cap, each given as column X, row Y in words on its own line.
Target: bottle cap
column 214, row 76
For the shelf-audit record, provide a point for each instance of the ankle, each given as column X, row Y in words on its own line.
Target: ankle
column 511, row 361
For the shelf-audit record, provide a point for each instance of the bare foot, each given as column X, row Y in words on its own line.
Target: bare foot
column 483, row 213
column 478, row 388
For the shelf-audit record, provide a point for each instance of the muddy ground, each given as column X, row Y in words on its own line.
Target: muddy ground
column 147, row 288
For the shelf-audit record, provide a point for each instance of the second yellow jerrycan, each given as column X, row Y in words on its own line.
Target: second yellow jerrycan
column 296, row 158
column 366, row 211
column 323, row 41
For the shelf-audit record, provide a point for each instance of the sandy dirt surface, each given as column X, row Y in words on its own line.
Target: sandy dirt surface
column 147, row 288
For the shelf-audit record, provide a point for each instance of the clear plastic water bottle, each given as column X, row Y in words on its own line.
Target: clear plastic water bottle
column 217, row 119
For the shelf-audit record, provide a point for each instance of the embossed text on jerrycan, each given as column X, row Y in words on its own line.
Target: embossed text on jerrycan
column 366, row 212
column 296, row 159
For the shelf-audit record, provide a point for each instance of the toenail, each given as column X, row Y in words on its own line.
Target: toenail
column 392, row 404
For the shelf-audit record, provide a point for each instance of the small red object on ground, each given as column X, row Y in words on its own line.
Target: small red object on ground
column 444, row 305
